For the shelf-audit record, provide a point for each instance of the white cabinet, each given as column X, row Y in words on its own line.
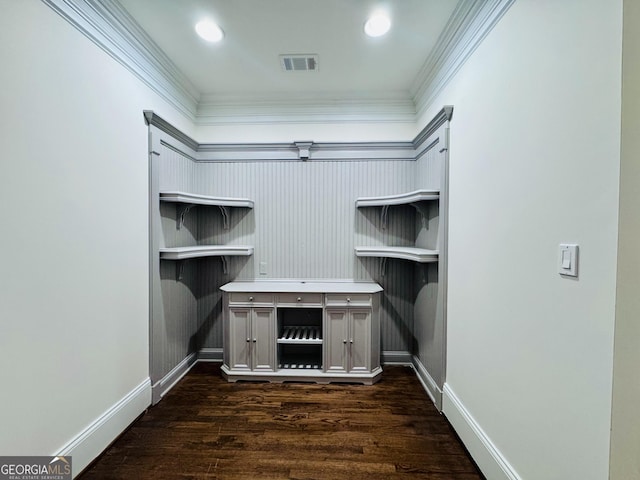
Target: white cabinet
column 348, row 334
column 251, row 339
column 312, row 331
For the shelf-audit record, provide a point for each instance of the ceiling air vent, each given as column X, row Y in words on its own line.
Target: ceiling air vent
column 299, row 63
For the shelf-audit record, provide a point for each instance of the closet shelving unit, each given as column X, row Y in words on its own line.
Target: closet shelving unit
column 182, row 253
column 418, row 200
column 190, row 200
column 187, row 201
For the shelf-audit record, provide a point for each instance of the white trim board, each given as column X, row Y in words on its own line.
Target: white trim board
column 428, row 383
column 210, row 355
column 97, row 436
column 166, row 383
column 395, row 357
column 486, row 455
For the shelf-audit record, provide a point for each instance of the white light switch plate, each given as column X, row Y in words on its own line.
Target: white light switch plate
column 568, row 259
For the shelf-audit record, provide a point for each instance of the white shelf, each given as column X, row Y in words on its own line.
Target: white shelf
column 301, row 335
column 421, row 255
column 195, row 199
column 190, row 200
column 401, row 199
column 182, row 253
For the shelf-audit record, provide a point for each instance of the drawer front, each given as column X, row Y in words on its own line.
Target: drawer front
column 348, row 300
column 251, row 298
column 301, row 299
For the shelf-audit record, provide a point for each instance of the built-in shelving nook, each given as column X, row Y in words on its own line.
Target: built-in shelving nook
column 331, row 214
column 185, row 203
column 416, row 199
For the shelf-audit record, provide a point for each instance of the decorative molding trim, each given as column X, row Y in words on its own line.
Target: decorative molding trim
column 210, row 355
column 345, row 151
column 92, row 441
column 108, row 25
column 470, row 23
column 428, row 383
column 438, row 120
column 392, row 357
column 490, row 460
column 152, row 119
column 166, row 383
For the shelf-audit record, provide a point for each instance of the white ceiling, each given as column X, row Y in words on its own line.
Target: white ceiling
column 246, row 63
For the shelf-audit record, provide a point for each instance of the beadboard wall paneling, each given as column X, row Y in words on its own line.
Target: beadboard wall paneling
column 303, row 222
column 428, row 283
column 305, row 225
column 173, row 301
column 177, row 167
column 180, row 314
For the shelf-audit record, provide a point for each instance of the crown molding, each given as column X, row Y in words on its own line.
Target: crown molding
column 469, row 24
column 321, row 107
column 108, row 25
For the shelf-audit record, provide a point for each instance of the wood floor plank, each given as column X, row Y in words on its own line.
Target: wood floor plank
column 207, row 428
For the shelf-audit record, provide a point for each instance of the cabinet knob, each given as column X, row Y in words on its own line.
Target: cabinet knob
column 344, row 341
column 248, row 340
column 348, row 299
column 255, row 340
column 299, row 299
column 251, row 299
column 351, row 341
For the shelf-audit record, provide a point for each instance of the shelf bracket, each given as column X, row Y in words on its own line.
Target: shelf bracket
column 383, row 266
column 384, row 216
column 179, row 269
column 225, row 266
column 225, row 216
column 182, row 211
column 424, row 213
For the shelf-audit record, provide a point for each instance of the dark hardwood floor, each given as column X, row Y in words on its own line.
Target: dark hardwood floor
column 206, row 428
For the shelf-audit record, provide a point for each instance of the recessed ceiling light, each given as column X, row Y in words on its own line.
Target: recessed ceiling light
column 377, row 25
column 209, row 31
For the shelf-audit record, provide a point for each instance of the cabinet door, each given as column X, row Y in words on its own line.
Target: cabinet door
column 360, row 340
column 335, row 340
column 239, row 338
column 263, row 340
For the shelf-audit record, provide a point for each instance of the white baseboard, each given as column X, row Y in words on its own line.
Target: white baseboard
column 94, row 439
column 490, row 460
column 393, row 357
column 428, row 383
column 210, row 355
column 160, row 388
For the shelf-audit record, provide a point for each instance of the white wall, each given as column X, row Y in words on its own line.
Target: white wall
column 534, row 161
column 317, row 132
column 74, row 283
column 625, row 428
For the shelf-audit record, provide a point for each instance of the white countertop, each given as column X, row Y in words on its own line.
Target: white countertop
column 302, row 286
